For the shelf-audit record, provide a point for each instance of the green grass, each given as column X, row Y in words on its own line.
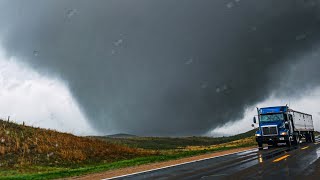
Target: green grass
column 168, row 143
column 67, row 172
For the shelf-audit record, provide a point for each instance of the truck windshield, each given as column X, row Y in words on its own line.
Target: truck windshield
column 271, row 117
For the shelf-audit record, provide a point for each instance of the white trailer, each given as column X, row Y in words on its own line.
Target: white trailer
column 302, row 125
column 301, row 121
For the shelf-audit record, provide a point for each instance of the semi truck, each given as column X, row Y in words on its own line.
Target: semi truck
column 280, row 124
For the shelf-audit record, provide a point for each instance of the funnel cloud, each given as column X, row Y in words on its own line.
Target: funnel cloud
column 167, row 67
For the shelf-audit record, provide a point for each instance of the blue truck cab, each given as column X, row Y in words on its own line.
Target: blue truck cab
column 274, row 126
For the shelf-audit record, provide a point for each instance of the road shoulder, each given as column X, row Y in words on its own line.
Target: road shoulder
column 159, row 165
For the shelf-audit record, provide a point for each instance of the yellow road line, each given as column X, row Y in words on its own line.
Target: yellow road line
column 281, row 158
column 305, row 147
column 316, row 143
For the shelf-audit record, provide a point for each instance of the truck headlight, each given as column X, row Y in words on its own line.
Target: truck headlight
column 258, row 134
column 284, row 133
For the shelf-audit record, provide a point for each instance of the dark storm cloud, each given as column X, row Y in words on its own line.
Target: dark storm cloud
column 165, row 67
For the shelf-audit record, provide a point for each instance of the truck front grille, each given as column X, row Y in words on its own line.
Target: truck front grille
column 271, row 130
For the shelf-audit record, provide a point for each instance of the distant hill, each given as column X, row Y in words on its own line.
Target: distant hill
column 121, row 135
column 245, row 134
column 166, row 143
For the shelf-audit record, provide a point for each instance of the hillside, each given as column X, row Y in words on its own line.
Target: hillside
column 35, row 153
column 121, row 135
column 23, row 145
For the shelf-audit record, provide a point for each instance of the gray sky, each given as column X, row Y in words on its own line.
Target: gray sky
column 165, row 67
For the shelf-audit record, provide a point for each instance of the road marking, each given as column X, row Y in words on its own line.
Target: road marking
column 165, row 167
column 305, row 148
column 281, row 158
column 213, row 175
column 316, row 143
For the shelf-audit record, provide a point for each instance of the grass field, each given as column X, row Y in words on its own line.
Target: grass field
column 168, row 143
column 35, row 153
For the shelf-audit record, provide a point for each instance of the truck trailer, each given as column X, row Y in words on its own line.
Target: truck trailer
column 280, row 124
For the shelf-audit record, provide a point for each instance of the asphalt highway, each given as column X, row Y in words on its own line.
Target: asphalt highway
column 298, row 162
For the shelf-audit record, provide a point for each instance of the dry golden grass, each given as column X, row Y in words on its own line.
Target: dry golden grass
column 236, row 143
column 23, row 145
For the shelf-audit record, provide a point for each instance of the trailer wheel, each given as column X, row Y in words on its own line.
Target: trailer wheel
column 308, row 137
column 313, row 138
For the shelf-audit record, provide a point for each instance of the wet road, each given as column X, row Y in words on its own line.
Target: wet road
column 297, row 162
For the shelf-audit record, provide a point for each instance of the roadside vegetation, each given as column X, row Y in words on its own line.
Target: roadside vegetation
column 25, row 149
column 35, row 153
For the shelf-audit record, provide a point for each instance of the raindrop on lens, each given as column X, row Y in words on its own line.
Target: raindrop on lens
column 301, row 37
column 230, row 5
column 118, row 42
column 189, row 61
column 71, row 12
column 204, row 85
column 218, row 90
column 36, row 53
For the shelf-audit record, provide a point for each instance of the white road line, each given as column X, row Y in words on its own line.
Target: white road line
column 165, row 167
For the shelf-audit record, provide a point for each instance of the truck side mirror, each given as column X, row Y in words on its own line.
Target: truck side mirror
column 286, row 123
column 254, row 120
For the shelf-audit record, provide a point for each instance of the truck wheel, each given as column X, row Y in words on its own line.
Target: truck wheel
column 275, row 144
column 260, row 146
column 296, row 140
column 288, row 143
